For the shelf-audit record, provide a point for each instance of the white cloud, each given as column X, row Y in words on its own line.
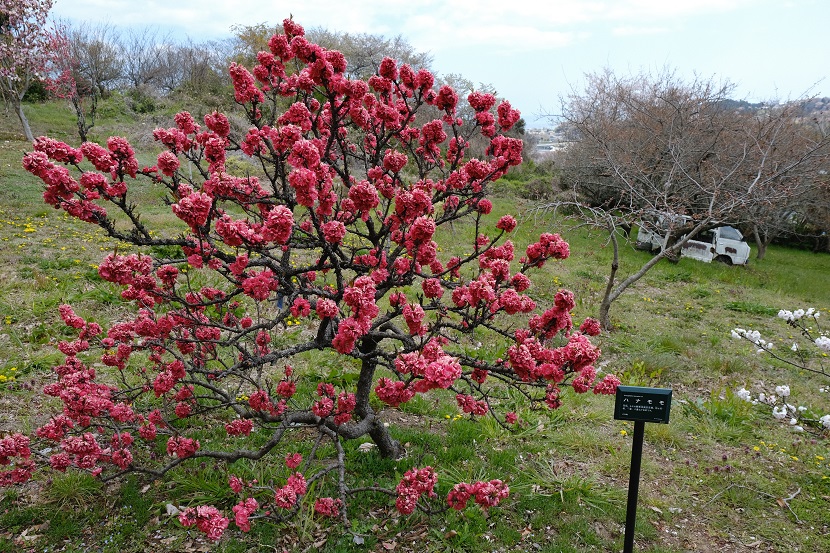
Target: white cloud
column 435, row 21
column 533, row 48
column 639, row 31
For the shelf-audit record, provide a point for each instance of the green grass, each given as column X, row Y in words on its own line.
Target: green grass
column 567, row 469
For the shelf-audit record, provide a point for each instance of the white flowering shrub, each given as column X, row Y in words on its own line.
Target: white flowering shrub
column 808, row 352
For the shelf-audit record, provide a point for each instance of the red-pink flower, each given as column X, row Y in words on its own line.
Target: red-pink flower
column 328, row 507
column 207, row 519
column 608, row 385
column 506, row 223
column 333, row 231
column 242, row 511
column 327, row 309
column 432, row 288
column 235, row 483
column 182, row 447
column 293, row 460
column 260, row 285
column 239, row 427
column 590, row 327
column 415, row 483
column 168, row 163
column 393, row 392
column 414, row 314
column 193, row 209
column 507, row 116
column 245, row 89
column 300, row 307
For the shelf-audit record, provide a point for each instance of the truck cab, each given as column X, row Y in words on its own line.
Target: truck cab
column 724, row 243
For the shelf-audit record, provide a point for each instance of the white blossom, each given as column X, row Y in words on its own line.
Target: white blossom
column 744, row 394
column 794, row 347
column 823, row 343
column 779, row 412
column 783, row 390
column 786, row 315
column 798, row 313
column 825, row 421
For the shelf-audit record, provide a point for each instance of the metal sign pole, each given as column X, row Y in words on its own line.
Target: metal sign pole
column 641, row 405
column 633, row 485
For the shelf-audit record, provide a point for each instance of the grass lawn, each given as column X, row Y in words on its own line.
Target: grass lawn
column 724, row 475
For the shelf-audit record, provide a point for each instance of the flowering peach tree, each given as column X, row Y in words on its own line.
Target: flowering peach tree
column 331, row 229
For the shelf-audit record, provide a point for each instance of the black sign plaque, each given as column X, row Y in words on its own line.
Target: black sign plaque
column 635, row 403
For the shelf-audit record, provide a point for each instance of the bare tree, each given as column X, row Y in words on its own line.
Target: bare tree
column 203, row 68
column 653, row 143
column 143, row 55
column 84, row 64
column 788, row 153
column 97, row 49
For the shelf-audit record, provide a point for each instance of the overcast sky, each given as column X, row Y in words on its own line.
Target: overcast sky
column 532, row 51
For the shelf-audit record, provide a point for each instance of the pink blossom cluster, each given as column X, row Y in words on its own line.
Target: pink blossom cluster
column 295, row 487
column 207, row 519
column 487, row 494
column 415, row 483
column 393, row 392
column 182, row 447
column 340, row 407
column 608, row 385
column 328, row 507
column 590, row 326
column 259, row 285
column 555, row 319
column 533, row 361
column 239, row 427
column 361, row 300
column 469, row 404
column 549, row 246
column 193, row 208
column 16, row 445
column 242, row 512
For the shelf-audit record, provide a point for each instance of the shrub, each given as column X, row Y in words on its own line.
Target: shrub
column 335, row 236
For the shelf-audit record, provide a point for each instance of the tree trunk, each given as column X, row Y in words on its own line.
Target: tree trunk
column 605, row 305
column 761, row 242
column 762, row 251
column 388, row 446
column 611, row 293
column 25, row 122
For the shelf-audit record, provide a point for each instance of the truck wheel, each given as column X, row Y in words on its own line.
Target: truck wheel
column 724, row 259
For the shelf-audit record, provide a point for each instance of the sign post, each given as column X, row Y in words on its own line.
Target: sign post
column 641, row 405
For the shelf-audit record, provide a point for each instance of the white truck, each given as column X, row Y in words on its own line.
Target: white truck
column 723, row 243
